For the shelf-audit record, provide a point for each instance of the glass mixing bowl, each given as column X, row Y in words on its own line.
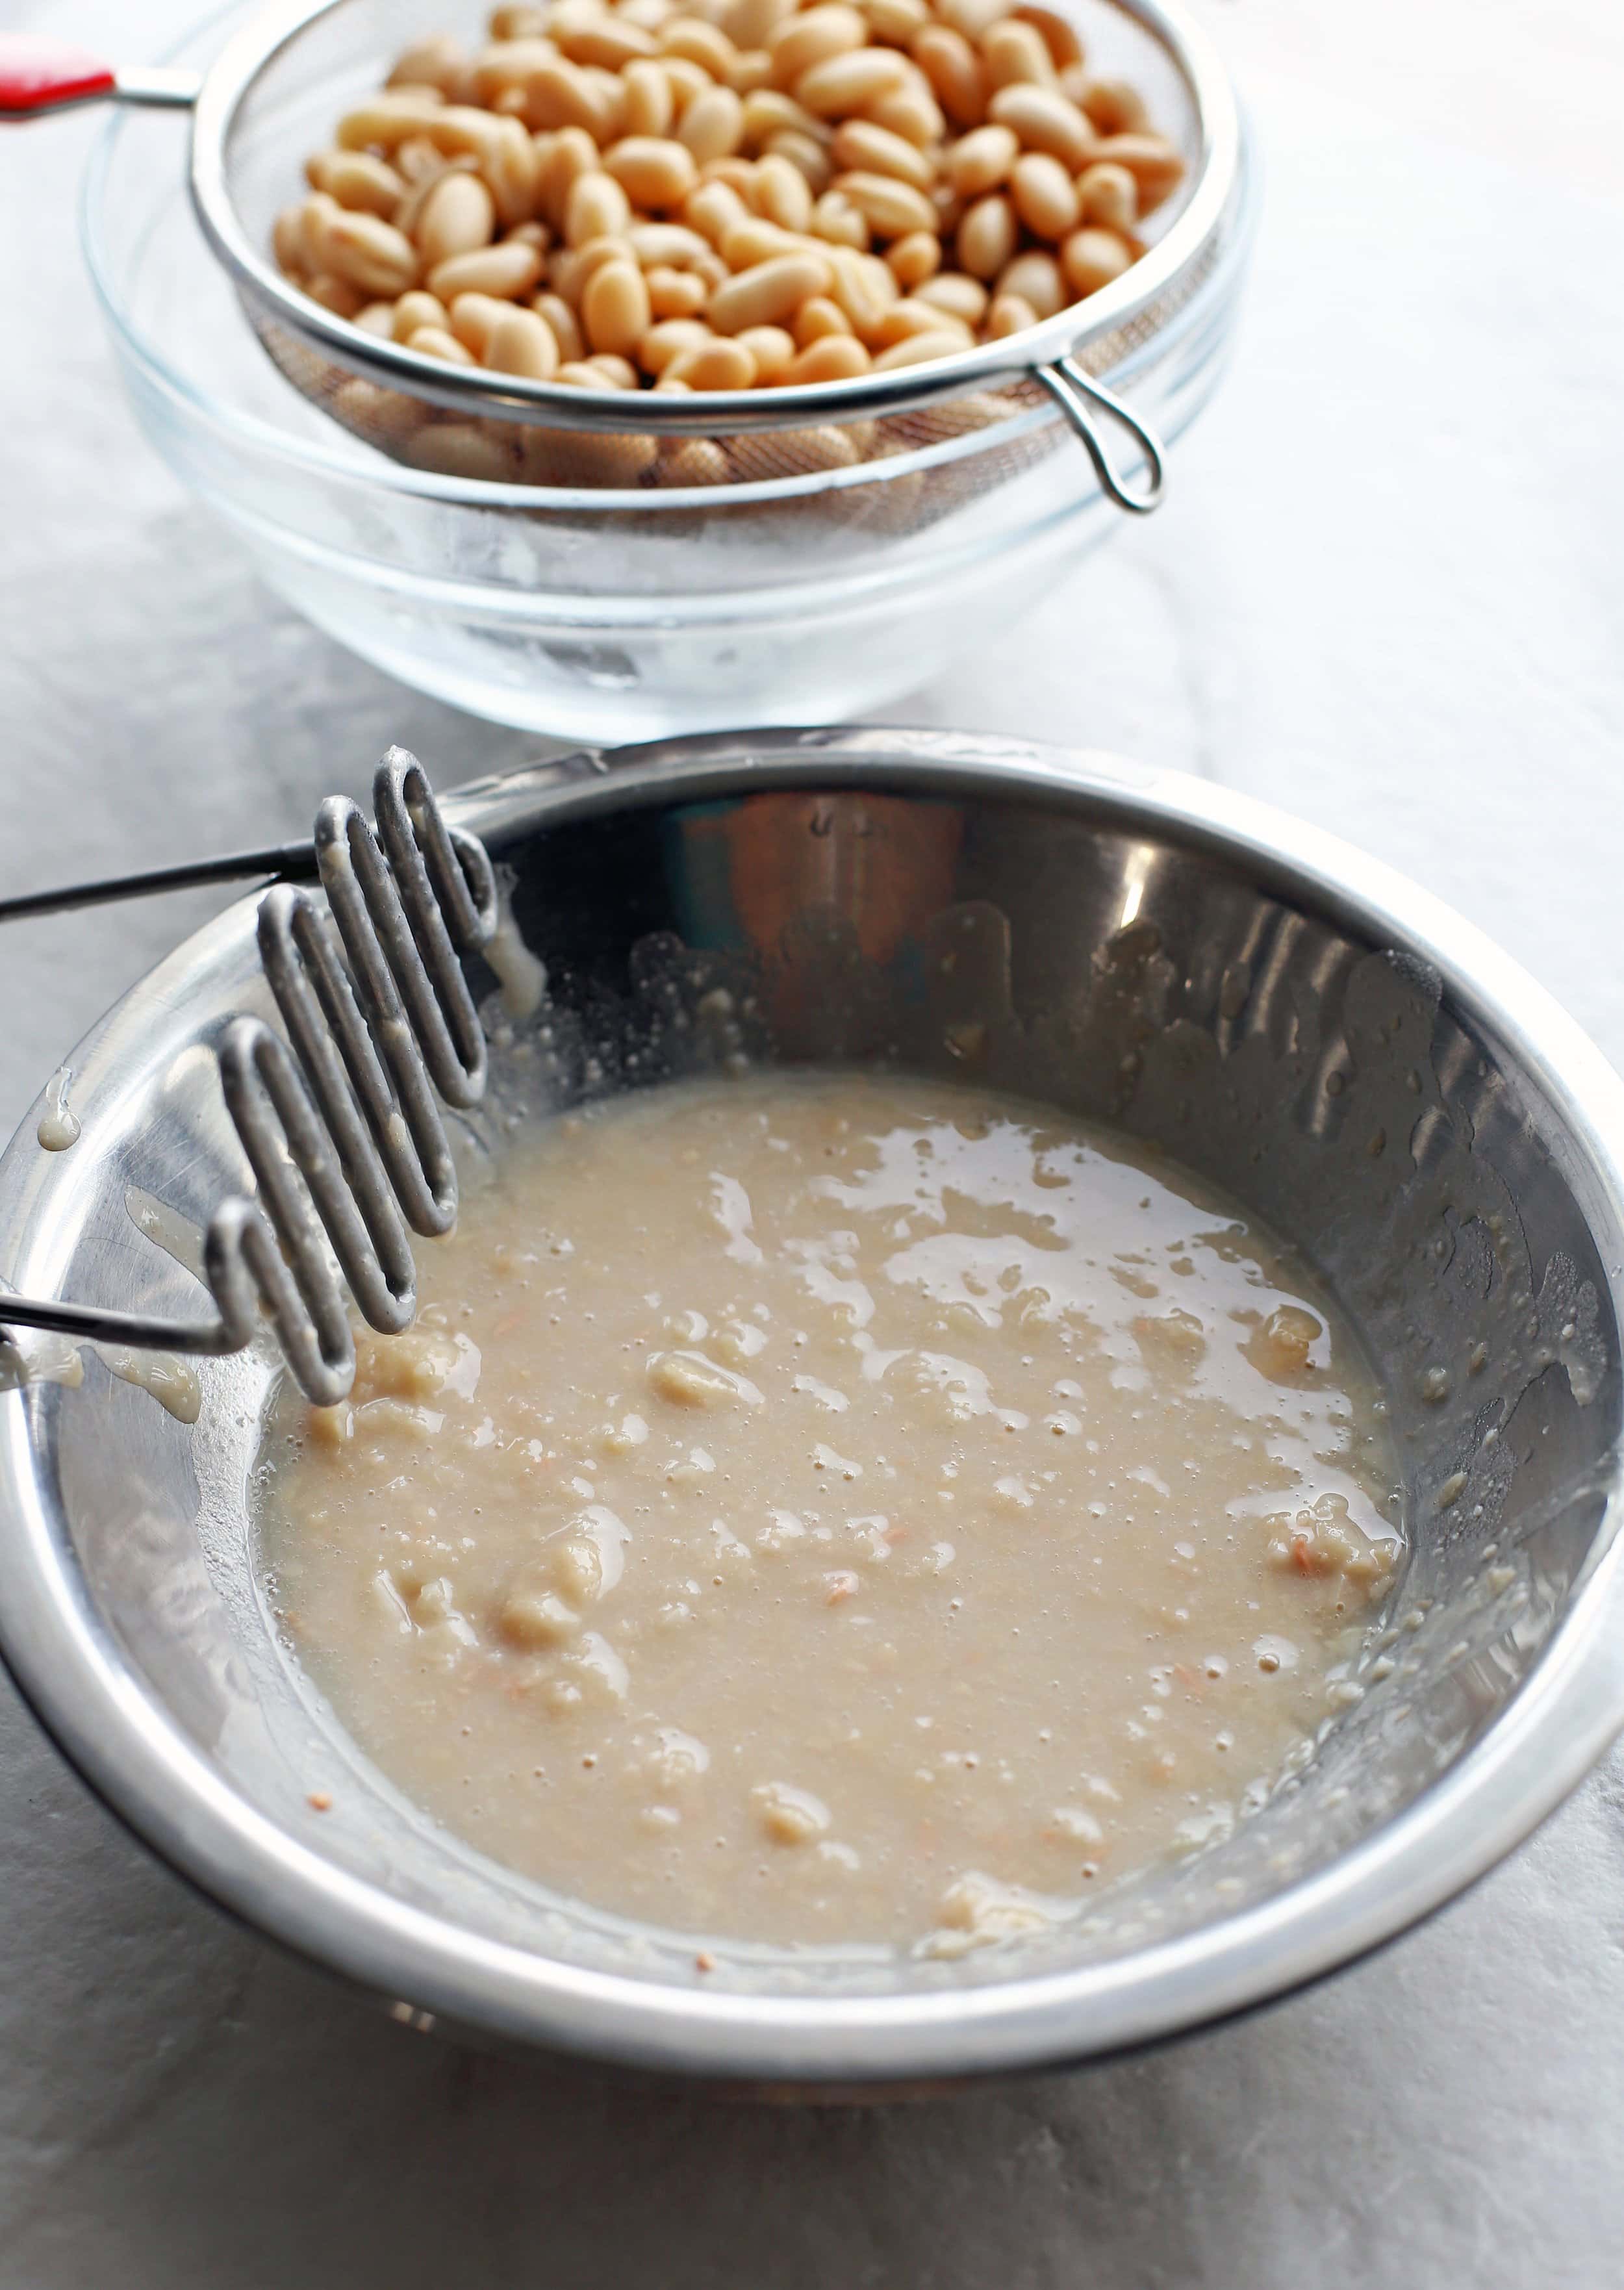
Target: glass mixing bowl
column 599, row 614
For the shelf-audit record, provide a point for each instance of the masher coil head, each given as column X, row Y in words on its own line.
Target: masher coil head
column 338, row 1117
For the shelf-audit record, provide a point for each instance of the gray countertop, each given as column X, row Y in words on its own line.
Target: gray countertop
column 1387, row 593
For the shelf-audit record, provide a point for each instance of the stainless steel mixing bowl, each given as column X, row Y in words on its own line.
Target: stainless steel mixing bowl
column 1291, row 1019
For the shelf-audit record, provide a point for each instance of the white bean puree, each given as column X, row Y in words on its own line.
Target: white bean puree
column 825, row 1507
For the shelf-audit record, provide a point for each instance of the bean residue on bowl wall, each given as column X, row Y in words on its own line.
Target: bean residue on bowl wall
column 58, row 1124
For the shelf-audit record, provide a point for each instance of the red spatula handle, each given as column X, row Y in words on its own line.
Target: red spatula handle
column 38, row 74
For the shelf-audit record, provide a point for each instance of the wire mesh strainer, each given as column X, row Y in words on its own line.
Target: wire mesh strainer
column 271, row 98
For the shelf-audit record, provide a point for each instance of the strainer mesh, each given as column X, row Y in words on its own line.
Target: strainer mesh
column 504, row 451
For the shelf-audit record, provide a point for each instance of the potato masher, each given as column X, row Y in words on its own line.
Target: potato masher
column 341, row 1131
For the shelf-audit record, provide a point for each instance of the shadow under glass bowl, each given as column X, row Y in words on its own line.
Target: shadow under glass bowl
column 1295, row 1022
column 612, row 615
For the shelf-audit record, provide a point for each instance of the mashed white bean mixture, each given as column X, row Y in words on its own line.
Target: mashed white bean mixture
column 820, row 1508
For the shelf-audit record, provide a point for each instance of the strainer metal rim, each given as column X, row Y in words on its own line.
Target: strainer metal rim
column 229, row 81
column 230, row 420
column 88, row 1693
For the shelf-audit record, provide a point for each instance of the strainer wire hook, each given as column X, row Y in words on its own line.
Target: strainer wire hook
column 1081, row 398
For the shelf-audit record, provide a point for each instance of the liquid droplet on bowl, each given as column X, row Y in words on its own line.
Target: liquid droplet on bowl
column 59, row 1126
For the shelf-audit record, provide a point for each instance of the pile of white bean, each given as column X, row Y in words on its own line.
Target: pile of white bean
column 728, row 194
